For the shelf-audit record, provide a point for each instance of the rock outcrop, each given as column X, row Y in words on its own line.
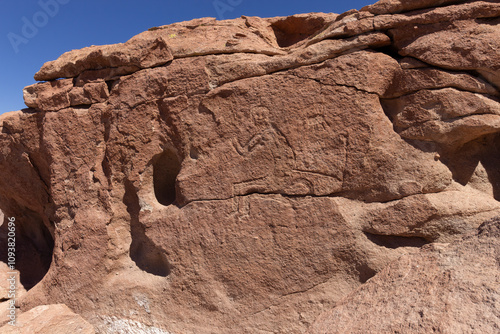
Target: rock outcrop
column 444, row 288
column 54, row 319
column 247, row 175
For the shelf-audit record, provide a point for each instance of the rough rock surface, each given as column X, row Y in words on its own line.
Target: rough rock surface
column 443, row 288
column 53, row 319
column 246, row 175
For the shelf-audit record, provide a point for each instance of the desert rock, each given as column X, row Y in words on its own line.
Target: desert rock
column 444, row 288
column 54, row 319
column 247, row 175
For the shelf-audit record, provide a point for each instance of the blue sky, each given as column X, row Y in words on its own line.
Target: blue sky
column 33, row 32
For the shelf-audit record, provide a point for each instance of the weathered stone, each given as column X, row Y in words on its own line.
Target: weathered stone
column 444, row 288
column 141, row 52
column 459, row 12
column 337, row 163
column 247, row 175
column 61, row 94
column 428, row 78
column 459, row 45
column 426, row 218
column 89, row 93
column 238, row 67
column 371, row 72
column 397, row 6
column 446, row 116
column 49, row 96
column 220, row 38
column 54, row 319
column 362, row 22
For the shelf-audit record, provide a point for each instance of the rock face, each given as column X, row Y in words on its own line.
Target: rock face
column 54, row 319
column 444, row 288
column 247, row 175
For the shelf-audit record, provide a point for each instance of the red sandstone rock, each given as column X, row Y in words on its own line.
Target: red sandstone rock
column 441, row 115
column 54, row 319
column 397, row 6
column 247, row 175
column 141, row 53
column 60, row 94
column 356, row 23
column 459, row 45
column 444, row 288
